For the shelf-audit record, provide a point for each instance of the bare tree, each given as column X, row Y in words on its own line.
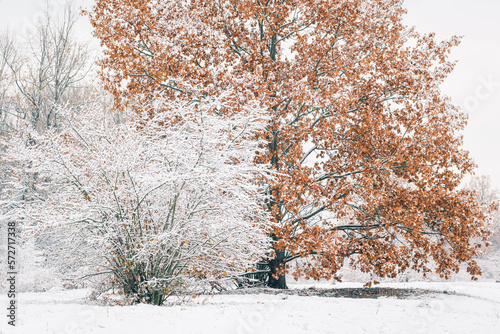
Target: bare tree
column 48, row 68
column 483, row 188
column 488, row 198
column 487, row 195
column 7, row 51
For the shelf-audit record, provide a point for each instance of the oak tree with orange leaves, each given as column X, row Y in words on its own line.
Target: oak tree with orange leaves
column 366, row 148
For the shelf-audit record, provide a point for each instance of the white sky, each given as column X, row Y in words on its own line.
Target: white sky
column 478, row 55
column 479, row 60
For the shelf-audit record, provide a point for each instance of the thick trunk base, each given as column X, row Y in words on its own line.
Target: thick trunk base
column 277, row 279
column 279, row 283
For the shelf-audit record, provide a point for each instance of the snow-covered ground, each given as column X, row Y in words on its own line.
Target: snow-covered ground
column 70, row 312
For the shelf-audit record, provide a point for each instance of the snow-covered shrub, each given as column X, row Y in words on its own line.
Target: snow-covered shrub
column 155, row 201
column 35, row 274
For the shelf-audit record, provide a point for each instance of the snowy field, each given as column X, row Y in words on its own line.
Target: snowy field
column 475, row 310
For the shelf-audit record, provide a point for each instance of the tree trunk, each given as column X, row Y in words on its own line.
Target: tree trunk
column 277, row 279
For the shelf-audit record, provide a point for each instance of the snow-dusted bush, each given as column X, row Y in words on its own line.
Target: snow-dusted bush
column 35, row 273
column 156, row 202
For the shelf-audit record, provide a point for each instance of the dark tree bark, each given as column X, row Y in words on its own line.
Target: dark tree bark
column 277, row 278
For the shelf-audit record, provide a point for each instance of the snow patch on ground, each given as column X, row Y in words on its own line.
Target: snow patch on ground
column 475, row 310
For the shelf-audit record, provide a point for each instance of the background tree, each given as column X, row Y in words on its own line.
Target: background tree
column 7, row 50
column 48, row 68
column 488, row 197
column 39, row 72
column 367, row 149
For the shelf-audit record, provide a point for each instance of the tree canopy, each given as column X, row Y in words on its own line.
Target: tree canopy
column 366, row 149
